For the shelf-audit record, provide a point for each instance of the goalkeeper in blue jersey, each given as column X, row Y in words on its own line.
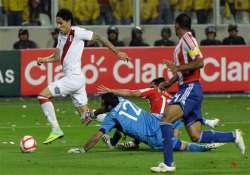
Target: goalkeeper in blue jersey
column 136, row 123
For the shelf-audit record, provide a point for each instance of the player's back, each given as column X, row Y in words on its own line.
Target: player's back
column 158, row 100
column 136, row 122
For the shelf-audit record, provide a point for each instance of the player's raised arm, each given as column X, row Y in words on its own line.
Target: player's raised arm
column 51, row 58
column 121, row 55
column 121, row 92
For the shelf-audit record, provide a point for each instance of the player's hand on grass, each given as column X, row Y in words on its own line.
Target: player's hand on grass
column 123, row 56
column 76, row 151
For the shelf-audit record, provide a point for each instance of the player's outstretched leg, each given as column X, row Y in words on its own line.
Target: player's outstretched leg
column 224, row 137
column 49, row 112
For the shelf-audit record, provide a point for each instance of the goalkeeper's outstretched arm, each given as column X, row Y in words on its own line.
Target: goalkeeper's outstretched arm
column 93, row 141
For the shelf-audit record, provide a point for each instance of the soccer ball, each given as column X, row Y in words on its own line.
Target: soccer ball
column 28, row 144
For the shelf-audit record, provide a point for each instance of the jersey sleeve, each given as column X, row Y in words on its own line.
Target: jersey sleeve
column 107, row 124
column 83, row 34
column 192, row 46
column 146, row 92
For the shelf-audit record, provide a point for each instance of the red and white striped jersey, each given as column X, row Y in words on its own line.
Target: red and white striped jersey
column 71, row 47
column 185, row 52
column 158, row 101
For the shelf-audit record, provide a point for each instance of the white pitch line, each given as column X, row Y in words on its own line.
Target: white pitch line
column 8, row 127
column 98, row 125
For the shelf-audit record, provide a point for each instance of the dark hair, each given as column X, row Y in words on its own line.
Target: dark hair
column 23, row 32
column 232, row 27
column 166, row 30
column 110, row 101
column 193, row 32
column 157, row 81
column 65, row 15
column 184, row 21
column 112, row 29
column 210, row 29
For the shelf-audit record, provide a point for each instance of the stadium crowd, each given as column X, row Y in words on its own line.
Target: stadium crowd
column 114, row 12
column 137, row 38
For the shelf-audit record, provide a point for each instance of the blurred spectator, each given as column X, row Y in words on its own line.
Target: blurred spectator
column 122, row 11
column 242, row 11
column 1, row 14
column 136, row 37
column 202, row 9
column 14, row 10
column 54, row 37
column 46, row 4
column 87, row 12
column 165, row 12
column 66, row 4
column 233, row 38
column 181, row 6
column 113, row 36
column 229, row 11
column 24, row 42
column 165, row 35
column 210, row 32
column 105, row 12
column 149, row 11
column 32, row 13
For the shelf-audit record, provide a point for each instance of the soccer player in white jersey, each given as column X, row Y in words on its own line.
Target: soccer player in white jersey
column 69, row 51
column 186, row 104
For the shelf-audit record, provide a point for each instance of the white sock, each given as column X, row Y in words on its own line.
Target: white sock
column 49, row 112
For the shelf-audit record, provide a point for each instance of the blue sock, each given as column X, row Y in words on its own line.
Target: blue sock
column 193, row 147
column 176, row 144
column 216, row 136
column 167, row 135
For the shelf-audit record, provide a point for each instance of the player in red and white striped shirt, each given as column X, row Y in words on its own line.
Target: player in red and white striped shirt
column 69, row 51
column 186, row 104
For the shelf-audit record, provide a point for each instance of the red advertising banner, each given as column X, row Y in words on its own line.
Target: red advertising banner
column 226, row 69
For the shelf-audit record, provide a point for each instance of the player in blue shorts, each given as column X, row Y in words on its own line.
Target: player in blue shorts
column 186, row 104
column 134, row 122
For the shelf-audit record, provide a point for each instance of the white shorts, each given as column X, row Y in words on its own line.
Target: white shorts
column 73, row 85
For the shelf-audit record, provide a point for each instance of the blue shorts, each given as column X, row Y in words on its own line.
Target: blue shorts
column 189, row 97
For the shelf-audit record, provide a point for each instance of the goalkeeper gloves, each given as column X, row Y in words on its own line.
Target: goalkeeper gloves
column 76, row 151
column 88, row 116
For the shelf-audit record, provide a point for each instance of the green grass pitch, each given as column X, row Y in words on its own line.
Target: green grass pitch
column 19, row 117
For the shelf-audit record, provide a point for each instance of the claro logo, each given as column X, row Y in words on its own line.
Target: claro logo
column 222, row 70
column 138, row 72
column 122, row 72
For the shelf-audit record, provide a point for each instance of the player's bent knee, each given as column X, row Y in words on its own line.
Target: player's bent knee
column 43, row 99
column 195, row 138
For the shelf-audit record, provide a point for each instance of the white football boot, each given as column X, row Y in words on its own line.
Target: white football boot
column 212, row 123
column 162, row 168
column 239, row 141
column 214, row 145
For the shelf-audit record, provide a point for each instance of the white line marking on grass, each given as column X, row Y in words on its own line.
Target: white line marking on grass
column 97, row 125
